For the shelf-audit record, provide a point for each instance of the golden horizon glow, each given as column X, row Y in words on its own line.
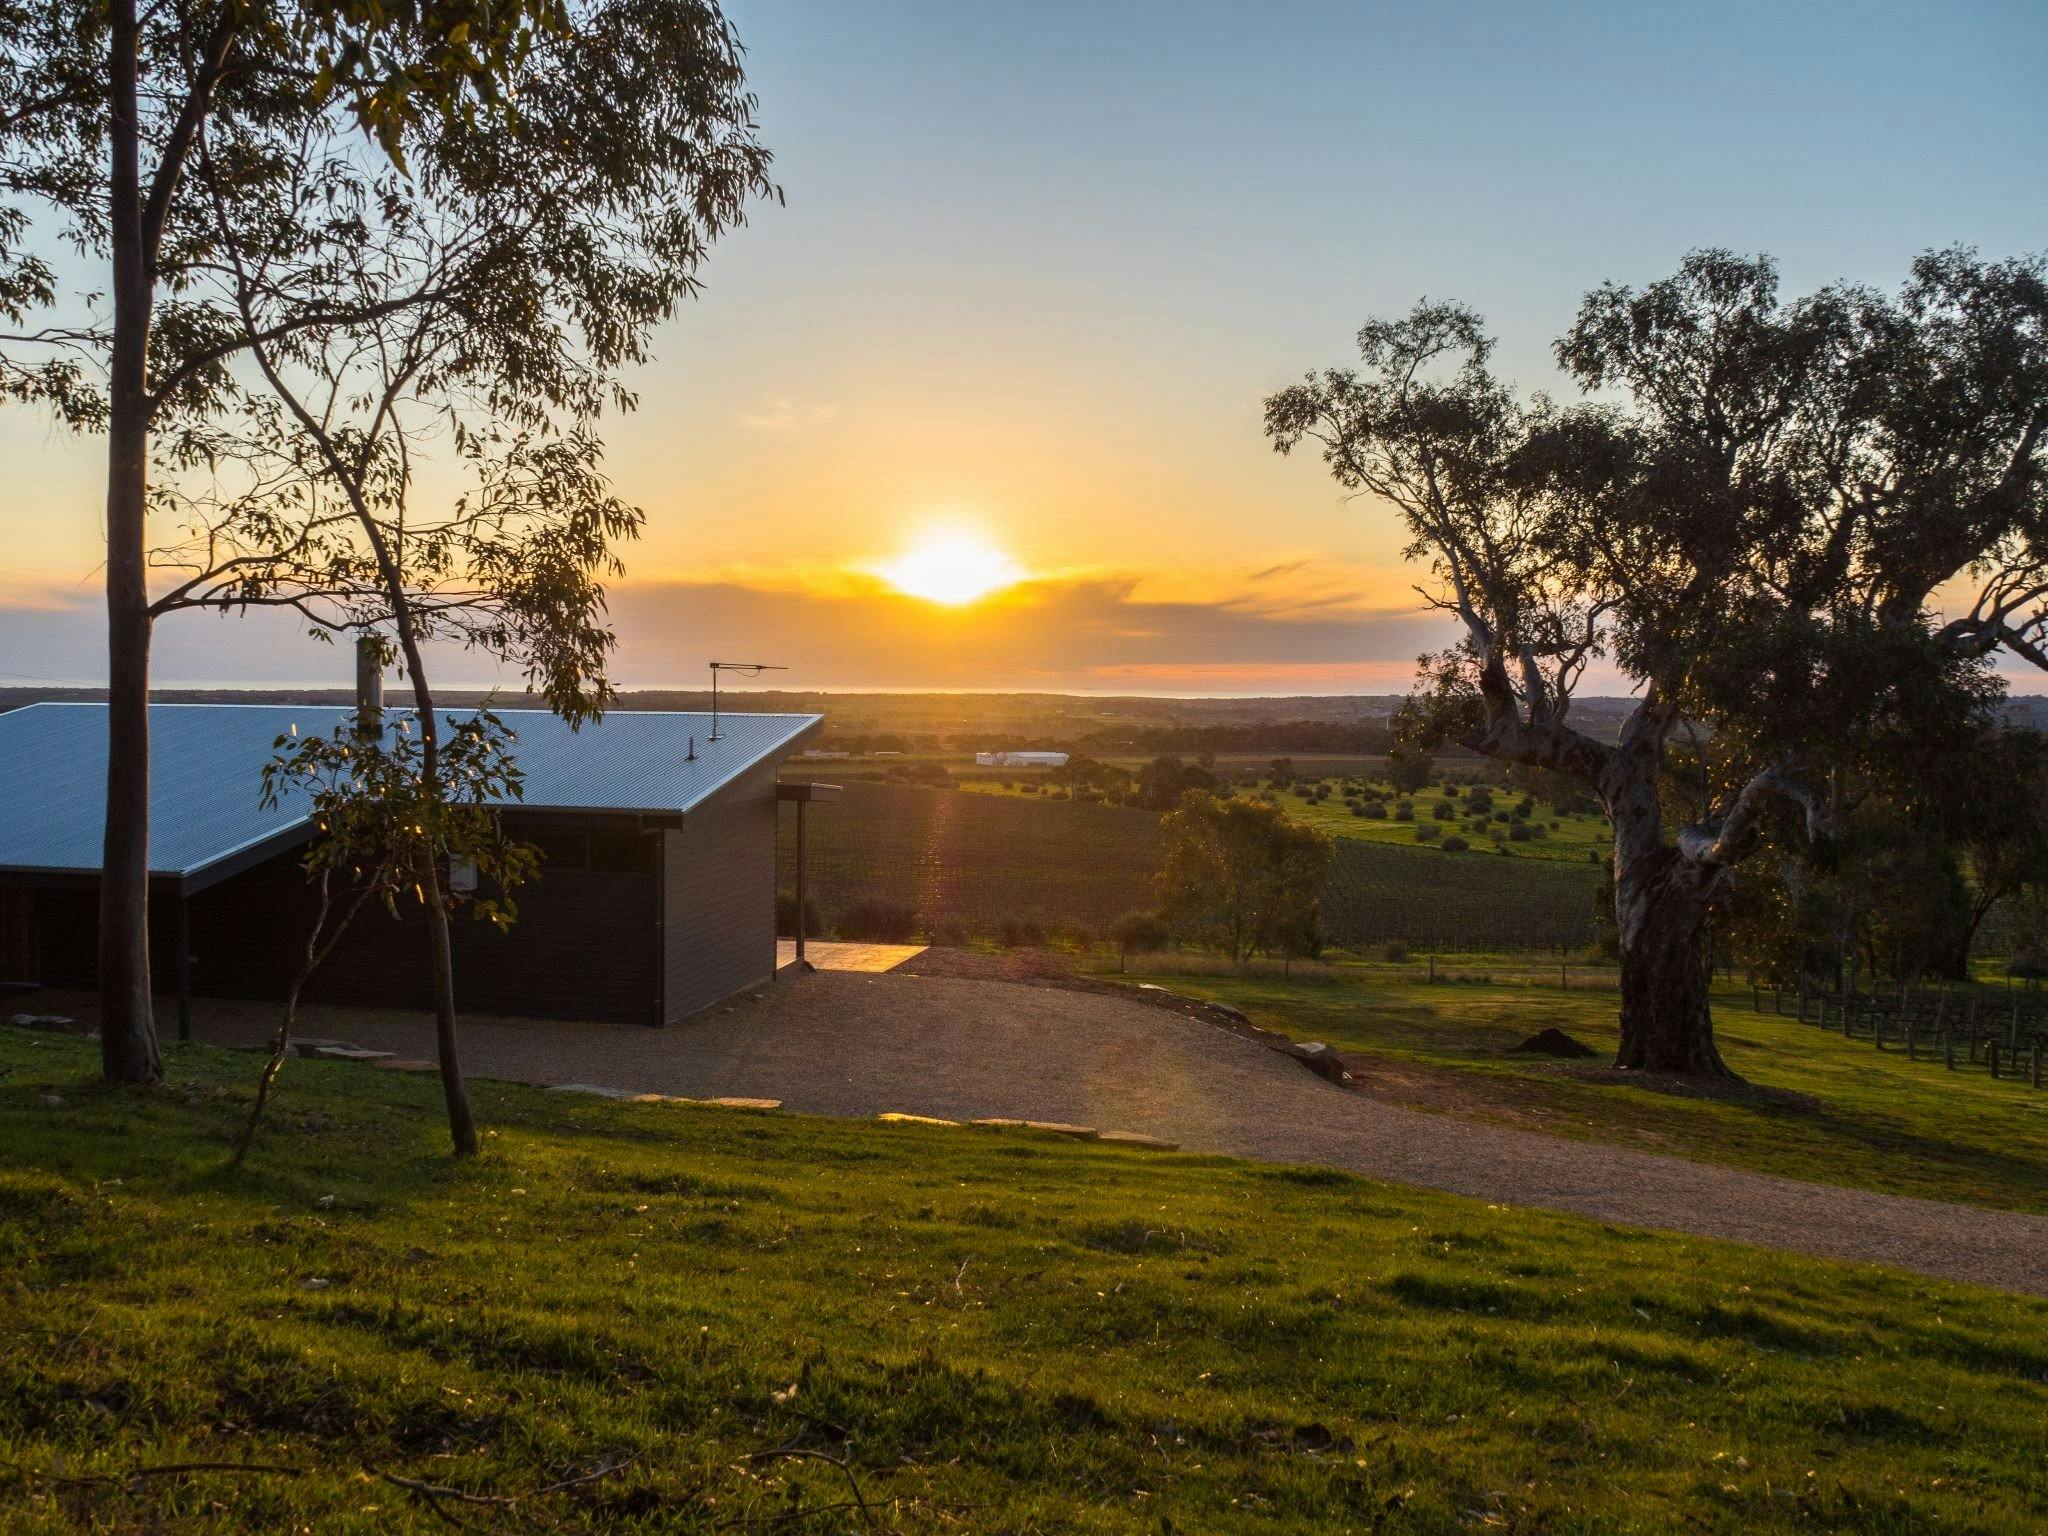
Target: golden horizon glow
column 951, row 566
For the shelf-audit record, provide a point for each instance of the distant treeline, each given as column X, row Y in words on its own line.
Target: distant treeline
column 1277, row 738
column 1363, row 739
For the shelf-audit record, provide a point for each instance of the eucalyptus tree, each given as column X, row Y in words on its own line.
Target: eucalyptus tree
column 385, row 826
column 1758, row 518
column 587, row 151
column 395, row 475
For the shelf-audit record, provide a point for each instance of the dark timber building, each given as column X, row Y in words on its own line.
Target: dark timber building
column 656, row 895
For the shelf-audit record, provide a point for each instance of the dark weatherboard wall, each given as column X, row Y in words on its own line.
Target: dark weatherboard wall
column 718, row 897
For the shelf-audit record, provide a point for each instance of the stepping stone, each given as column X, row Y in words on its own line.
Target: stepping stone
column 1049, row 1127
column 352, row 1053
column 897, row 1117
column 406, row 1064
column 592, row 1089
column 736, row 1103
column 1133, row 1139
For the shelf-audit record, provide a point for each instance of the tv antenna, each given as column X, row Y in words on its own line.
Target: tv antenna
column 745, row 669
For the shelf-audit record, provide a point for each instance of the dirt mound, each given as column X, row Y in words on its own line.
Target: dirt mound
column 1555, row 1042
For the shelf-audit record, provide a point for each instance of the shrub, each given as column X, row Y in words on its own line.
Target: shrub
column 1012, row 932
column 1358, row 808
column 1142, row 932
column 1395, row 952
column 1404, row 812
column 1428, row 832
column 1444, row 810
column 1455, row 844
column 876, row 921
column 1519, row 832
column 785, row 915
column 949, row 930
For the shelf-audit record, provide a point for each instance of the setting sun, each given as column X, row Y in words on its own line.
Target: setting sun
column 951, row 566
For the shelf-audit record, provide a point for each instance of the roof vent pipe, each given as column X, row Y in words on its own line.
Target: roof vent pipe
column 370, row 684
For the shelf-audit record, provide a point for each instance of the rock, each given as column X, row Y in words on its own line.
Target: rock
column 315, row 1283
column 897, row 1117
column 1133, row 1139
column 50, row 1100
column 1224, row 1010
column 1321, row 1059
column 1049, row 1127
column 324, row 1203
column 742, row 1103
column 352, row 1053
column 592, row 1089
column 1555, row 1042
column 42, row 1021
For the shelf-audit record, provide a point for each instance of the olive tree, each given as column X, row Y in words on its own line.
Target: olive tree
column 580, row 156
column 1755, row 517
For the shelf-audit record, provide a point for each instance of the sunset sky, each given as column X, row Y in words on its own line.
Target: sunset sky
column 1038, row 266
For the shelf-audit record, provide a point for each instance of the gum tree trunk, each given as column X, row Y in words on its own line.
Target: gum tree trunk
column 454, row 1092
column 1661, row 900
column 1666, row 1022
column 128, row 1047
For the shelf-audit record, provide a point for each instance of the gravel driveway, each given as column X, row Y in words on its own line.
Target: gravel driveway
column 848, row 1044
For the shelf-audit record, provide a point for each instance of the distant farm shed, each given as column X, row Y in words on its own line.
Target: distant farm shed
column 656, row 896
column 1020, row 759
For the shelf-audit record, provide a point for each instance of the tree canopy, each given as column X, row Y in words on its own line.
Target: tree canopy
column 1758, row 515
column 1240, row 875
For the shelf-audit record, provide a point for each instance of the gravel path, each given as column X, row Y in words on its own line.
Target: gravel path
column 843, row 1044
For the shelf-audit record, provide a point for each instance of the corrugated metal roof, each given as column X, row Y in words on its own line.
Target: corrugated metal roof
column 206, row 762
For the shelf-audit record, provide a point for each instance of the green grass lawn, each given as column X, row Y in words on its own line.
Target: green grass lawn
column 992, row 1332
column 1875, row 1119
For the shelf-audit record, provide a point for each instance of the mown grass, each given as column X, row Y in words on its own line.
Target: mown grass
column 993, row 1332
column 1871, row 1118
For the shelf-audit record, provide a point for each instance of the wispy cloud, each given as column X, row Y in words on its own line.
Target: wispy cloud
column 782, row 415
